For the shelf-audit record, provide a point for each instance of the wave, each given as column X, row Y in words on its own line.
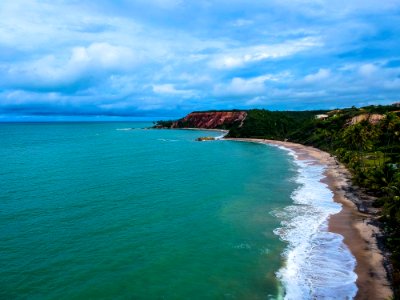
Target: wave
column 220, row 137
column 167, row 140
column 124, row 129
column 318, row 265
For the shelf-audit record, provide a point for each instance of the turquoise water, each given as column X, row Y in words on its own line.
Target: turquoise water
column 88, row 211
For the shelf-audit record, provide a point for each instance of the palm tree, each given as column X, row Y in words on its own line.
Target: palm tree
column 360, row 137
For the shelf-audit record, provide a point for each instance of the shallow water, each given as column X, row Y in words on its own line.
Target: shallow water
column 318, row 265
column 98, row 211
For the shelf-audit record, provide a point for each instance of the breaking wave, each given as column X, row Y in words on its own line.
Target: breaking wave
column 318, row 265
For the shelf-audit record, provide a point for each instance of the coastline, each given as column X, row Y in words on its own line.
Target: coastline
column 355, row 225
column 203, row 129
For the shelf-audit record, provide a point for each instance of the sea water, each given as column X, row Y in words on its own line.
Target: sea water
column 318, row 264
column 114, row 211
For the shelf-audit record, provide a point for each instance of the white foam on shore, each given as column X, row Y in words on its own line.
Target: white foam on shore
column 220, row 137
column 167, row 140
column 318, row 265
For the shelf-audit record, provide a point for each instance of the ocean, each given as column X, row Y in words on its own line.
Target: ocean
column 115, row 211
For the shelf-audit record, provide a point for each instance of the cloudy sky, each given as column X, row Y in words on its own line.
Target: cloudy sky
column 158, row 58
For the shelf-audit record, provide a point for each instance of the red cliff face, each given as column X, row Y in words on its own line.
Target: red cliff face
column 210, row 120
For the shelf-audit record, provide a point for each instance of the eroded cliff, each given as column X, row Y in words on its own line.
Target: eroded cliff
column 211, row 120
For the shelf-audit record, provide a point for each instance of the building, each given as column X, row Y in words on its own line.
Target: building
column 321, row 117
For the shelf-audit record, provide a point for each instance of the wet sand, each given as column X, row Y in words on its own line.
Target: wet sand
column 360, row 235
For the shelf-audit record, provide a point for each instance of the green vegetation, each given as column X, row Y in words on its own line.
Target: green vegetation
column 271, row 124
column 366, row 140
column 163, row 124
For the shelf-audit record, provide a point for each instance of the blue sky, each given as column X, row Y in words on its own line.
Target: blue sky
column 158, row 58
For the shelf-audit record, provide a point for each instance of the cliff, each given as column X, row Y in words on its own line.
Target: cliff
column 366, row 140
column 373, row 119
column 211, row 120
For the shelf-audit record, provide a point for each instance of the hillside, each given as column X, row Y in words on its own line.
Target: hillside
column 366, row 140
column 208, row 120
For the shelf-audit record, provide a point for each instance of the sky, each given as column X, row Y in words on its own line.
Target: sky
column 68, row 60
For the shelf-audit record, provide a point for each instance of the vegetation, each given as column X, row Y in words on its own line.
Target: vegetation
column 366, row 140
column 262, row 123
column 163, row 124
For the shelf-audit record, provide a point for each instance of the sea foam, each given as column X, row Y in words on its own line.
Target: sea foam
column 318, row 265
column 124, row 129
column 220, row 137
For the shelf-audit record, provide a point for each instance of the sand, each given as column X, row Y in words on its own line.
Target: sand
column 354, row 222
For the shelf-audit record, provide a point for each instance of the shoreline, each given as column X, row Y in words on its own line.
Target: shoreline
column 354, row 222
column 203, row 129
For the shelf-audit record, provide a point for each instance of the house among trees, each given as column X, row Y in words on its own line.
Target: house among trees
column 396, row 104
column 321, row 117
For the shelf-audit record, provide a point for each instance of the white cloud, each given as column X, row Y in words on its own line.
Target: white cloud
column 240, row 86
column 103, row 56
column 367, row 70
column 83, row 61
column 162, row 4
column 242, row 22
column 169, row 89
column 258, row 100
column 238, row 57
column 375, row 75
column 247, row 86
column 322, row 74
column 338, row 8
column 161, row 52
column 393, row 84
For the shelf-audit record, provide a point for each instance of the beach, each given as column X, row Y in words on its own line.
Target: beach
column 360, row 235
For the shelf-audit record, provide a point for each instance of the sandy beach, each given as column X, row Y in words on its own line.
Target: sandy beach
column 354, row 222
